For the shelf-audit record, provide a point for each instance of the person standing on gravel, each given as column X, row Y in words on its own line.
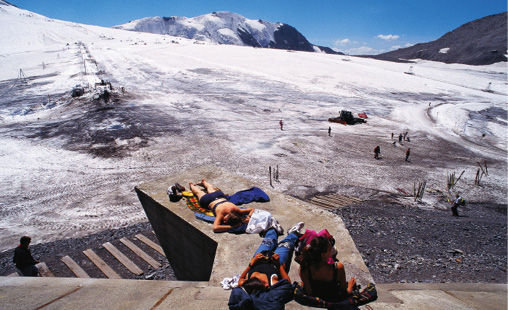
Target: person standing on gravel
column 23, row 258
column 459, row 201
column 377, row 150
column 329, row 131
column 408, row 152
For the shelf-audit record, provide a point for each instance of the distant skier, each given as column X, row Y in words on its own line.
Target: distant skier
column 408, row 151
column 377, row 150
column 281, row 123
column 329, row 131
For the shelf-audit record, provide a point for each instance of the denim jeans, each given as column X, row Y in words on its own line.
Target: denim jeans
column 284, row 248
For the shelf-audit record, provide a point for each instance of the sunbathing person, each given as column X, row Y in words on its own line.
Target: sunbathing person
column 320, row 277
column 227, row 214
column 265, row 283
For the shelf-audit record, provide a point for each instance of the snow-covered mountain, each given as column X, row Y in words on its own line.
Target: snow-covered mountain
column 480, row 42
column 227, row 28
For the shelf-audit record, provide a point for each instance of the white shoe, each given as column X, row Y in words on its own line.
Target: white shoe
column 296, row 229
column 278, row 228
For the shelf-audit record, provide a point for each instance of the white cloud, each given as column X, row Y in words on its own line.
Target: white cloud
column 363, row 50
column 388, row 37
column 396, row 47
column 342, row 42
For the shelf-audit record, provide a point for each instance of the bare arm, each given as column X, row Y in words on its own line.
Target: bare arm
column 247, row 211
column 243, row 276
column 282, row 269
column 306, row 281
column 283, row 273
column 218, row 227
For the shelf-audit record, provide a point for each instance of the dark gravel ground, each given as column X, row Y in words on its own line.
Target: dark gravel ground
column 408, row 244
column 51, row 253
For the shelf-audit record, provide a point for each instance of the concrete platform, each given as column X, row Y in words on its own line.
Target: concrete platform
column 71, row 293
column 180, row 232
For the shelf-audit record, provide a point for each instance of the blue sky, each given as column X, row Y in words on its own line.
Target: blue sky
column 353, row 26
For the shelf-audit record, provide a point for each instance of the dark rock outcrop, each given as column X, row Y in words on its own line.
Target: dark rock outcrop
column 480, row 42
column 287, row 37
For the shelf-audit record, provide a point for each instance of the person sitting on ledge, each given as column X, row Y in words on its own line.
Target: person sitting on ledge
column 320, row 277
column 265, row 283
column 24, row 260
column 227, row 214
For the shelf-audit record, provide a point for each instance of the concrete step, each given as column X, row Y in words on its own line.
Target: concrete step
column 333, row 201
column 76, row 293
column 124, row 256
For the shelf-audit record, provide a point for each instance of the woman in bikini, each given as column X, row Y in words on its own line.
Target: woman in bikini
column 320, row 278
column 227, row 214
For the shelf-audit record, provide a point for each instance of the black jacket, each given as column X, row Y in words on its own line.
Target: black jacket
column 23, row 257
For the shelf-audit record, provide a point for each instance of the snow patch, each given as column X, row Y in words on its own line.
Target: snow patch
column 255, row 24
column 444, row 50
column 227, row 32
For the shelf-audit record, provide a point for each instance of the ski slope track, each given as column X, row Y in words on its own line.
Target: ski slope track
column 69, row 165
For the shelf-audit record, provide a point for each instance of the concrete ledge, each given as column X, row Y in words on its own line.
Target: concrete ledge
column 191, row 243
column 72, row 293
column 489, row 296
column 190, row 252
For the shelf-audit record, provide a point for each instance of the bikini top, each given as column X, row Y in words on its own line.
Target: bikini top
column 216, row 205
column 267, row 268
column 327, row 290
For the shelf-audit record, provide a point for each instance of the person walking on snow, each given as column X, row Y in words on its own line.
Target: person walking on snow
column 377, row 150
column 281, row 123
column 400, row 138
column 408, row 151
column 329, row 131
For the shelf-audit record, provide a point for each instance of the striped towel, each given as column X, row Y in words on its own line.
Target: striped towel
column 193, row 204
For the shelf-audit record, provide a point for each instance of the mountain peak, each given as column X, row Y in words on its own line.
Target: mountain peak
column 224, row 27
column 479, row 42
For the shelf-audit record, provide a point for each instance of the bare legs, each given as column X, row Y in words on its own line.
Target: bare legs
column 209, row 187
column 198, row 191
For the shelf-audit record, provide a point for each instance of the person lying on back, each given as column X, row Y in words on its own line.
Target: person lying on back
column 227, row 214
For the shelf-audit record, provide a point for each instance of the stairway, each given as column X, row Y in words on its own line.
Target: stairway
column 333, row 201
column 131, row 251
